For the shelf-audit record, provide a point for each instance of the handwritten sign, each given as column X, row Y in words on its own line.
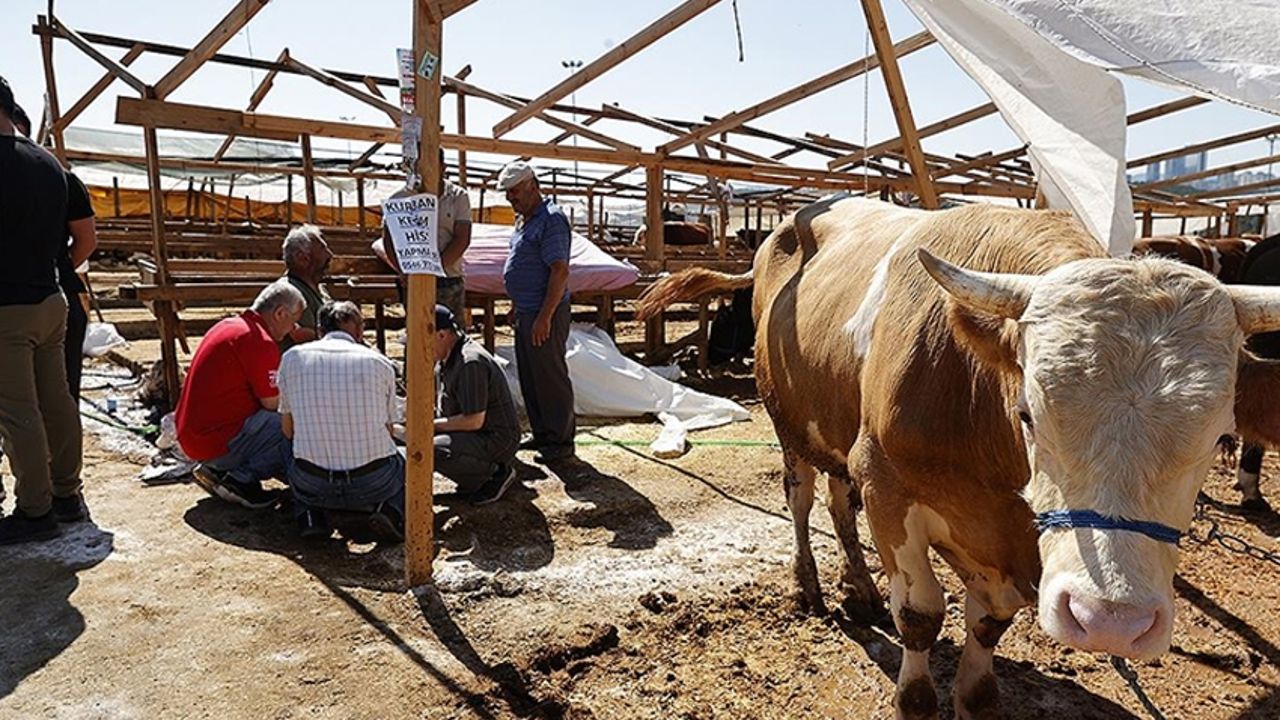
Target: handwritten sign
column 411, row 222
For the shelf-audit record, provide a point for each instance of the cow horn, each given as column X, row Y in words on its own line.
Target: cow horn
column 1000, row 294
column 1257, row 307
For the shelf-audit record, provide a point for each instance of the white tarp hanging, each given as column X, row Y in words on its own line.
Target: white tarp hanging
column 1070, row 113
column 606, row 383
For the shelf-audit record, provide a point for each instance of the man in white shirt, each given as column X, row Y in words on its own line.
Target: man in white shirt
column 338, row 399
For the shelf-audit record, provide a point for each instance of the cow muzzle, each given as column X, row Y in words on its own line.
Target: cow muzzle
column 1084, row 621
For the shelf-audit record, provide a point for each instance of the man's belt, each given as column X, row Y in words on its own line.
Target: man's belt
column 370, row 467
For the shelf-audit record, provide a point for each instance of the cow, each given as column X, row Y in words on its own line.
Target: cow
column 678, row 233
column 1230, row 260
column 1221, row 257
column 987, row 383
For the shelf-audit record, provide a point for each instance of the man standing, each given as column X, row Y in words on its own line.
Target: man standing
column 338, row 403
column 536, row 275
column 477, row 431
column 39, row 422
column 306, row 259
column 227, row 416
column 453, row 238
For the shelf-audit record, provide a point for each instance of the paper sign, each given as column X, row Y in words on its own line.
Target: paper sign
column 410, row 137
column 427, row 68
column 411, row 222
column 404, row 65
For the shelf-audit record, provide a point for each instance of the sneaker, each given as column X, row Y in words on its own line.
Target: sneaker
column 497, row 486
column 553, row 453
column 220, row 485
column 70, row 509
column 312, row 526
column 529, row 442
column 19, row 528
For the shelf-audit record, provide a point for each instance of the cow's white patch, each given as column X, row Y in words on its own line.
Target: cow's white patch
column 1216, row 263
column 860, row 325
column 820, row 441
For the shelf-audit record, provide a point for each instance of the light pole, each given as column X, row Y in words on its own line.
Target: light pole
column 572, row 66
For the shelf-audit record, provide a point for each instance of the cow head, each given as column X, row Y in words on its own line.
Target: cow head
column 1127, row 376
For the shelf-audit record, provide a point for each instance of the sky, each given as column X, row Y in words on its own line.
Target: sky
column 517, row 46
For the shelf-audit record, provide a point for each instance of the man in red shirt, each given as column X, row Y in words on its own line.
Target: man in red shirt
column 227, row 417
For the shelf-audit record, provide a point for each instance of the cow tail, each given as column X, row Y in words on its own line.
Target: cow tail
column 685, row 286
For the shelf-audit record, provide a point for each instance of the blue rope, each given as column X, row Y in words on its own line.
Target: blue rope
column 1091, row 519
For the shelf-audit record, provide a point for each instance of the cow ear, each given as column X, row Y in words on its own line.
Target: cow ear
column 991, row 339
column 1002, row 294
column 1257, row 413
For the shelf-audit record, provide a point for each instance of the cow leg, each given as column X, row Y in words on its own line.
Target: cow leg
column 862, row 599
column 917, row 602
column 798, row 479
column 976, row 695
column 1247, row 477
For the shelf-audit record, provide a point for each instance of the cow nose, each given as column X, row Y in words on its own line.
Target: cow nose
column 1112, row 627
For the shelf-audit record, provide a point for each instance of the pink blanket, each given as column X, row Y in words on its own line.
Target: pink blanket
column 590, row 268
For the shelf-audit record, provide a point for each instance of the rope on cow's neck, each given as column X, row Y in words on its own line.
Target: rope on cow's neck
column 1131, row 677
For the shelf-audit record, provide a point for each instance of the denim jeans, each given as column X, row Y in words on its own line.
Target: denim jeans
column 337, row 491
column 259, row 451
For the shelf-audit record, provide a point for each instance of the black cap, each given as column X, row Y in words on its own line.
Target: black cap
column 6, row 99
column 445, row 319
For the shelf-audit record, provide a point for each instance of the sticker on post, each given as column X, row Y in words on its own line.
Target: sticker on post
column 411, row 222
column 410, row 137
column 404, row 64
column 427, row 68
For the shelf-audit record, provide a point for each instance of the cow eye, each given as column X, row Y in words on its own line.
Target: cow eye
column 1025, row 417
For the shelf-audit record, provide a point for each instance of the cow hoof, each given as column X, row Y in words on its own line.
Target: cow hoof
column 981, row 701
column 1255, row 505
column 865, row 610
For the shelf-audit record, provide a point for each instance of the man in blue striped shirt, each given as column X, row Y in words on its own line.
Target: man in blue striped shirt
column 536, row 276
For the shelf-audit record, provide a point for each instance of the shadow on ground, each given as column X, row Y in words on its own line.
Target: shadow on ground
column 37, row 619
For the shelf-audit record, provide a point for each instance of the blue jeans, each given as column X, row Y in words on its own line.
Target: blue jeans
column 337, row 491
column 259, row 451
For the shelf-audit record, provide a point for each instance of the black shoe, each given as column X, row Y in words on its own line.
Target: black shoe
column 70, row 509
column 528, row 442
column 220, row 485
column 312, row 526
column 18, row 528
column 553, row 453
column 496, row 487
column 383, row 526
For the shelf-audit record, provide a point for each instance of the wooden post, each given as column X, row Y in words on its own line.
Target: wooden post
column 1233, row 220
column 288, row 203
column 760, row 216
column 653, row 245
column 248, row 211
column 1148, row 222
column 309, row 178
column 419, row 542
column 898, row 99
column 115, row 193
column 51, row 89
column 462, row 130
column 191, row 196
column 342, row 216
column 163, row 310
column 591, row 215
column 1182, row 228
column 360, row 206
column 724, row 228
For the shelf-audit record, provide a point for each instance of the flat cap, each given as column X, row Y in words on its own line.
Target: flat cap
column 513, row 174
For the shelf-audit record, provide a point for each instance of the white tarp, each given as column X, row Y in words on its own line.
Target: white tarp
column 1070, row 113
column 606, row 383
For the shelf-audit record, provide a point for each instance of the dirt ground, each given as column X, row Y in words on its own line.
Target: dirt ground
column 620, row 586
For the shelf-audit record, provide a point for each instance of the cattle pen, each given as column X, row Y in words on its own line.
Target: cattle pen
column 628, row 583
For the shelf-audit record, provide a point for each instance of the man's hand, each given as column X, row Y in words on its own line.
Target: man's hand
column 541, row 329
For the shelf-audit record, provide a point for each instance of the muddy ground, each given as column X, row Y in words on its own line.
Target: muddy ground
column 619, row 586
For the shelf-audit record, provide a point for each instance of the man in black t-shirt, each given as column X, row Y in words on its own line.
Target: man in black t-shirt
column 39, row 422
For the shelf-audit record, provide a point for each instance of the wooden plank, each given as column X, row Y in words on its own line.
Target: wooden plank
column 309, row 178
column 227, row 165
column 725, row 148
column 255, row 99
column 393, row 111
column 1239, row 190
column 164, row 314
column 930, row 130
column 237, row 18
column 462, row 130
column 548, row 118
column 420, row 335
column 1210, row 172
column 364, row 156
column 1163, row 109
column 901, row 105
column 195, row 118
column 96, row 90
column 1209, row 145
column 653, row 242
column 685, row 12
column 99, row 57
column 799, row 92
column 51, row 93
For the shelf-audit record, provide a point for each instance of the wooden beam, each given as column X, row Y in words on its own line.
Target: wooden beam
column 685, row 12
column 420, row 341
column 364, row 156
column 51, row 94
column 198, row 118
column 654, row 246
column 228, row 166
column 799, row 92
column 1210, row 172
column 309, row 178
column 99, row 57
column 392, row 111
column 96, row 90
column 164, row 313
column 941, row 126
column 255, row 99
column 1209, row 145
column 462, row 127
column 235, row 20
column 1237, row 192
column 1163, row 109
column 619, row 112
column 548, row 118
column 898, row 99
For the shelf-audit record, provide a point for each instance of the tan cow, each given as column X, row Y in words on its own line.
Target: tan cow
column 1046, row 378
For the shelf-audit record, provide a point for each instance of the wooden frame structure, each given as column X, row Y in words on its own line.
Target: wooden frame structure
column 895, row 165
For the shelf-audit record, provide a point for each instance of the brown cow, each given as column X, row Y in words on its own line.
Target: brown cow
column 679, row 233
column 1221, row 257
column 1047, row 383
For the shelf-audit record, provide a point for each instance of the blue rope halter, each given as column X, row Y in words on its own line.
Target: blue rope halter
column 1091, row 519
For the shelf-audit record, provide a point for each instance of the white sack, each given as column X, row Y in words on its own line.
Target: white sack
column 101, row 337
